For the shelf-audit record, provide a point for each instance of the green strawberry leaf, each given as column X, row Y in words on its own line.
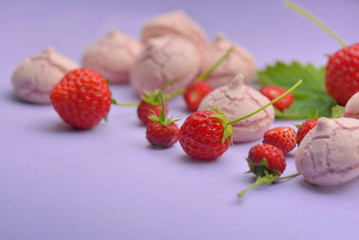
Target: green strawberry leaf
column 309, row 98
column 337, row 111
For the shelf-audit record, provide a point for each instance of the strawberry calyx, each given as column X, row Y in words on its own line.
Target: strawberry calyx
column 261, row 169
column 227, row 128
column 162, row 117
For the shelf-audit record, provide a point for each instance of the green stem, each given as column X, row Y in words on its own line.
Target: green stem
column 260, row 181
column 314, row 20
column 163, row 112
column 268, row 104
column 173, row 94
column 214, row 66
column 168, row 84
column 290, row 176
column 131, row 104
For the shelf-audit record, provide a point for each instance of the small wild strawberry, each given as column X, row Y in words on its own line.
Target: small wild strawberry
column 283, row 138
column 161, row 131
column 304, row 129
column 82, row 98
column 272, row 92
column 194, row 94
column 267, row 162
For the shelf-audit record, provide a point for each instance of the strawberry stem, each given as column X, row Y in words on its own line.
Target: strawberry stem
column 290, row 176
column 268, row 104
column 314, row 20
column 163, row 114
column 131, row 104
column 168, row 84
column 214, row 66
column 260, row 181
column 173, row 94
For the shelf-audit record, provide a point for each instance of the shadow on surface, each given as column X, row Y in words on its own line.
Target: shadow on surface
column 327, row 189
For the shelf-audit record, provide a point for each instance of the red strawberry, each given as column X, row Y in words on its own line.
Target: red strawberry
column 82, row 98
column 272, row 92
column 194, row 94
column 342, row 73
column 267, row 162
column 146, row 109
column 304, row 129
column 283, row 138
column 266, row 159
column 201, row 135
column 161, row 131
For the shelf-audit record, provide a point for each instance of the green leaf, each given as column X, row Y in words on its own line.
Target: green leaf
column 310, row 97
column 337, row 111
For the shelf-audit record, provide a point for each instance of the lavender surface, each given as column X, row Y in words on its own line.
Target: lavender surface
column 108, row 183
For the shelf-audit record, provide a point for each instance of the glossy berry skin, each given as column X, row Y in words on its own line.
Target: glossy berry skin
column 162, row 135
column 342, row 74
column 145, row 109
column 82, row 98
column 201, row 136
column 304, row 129
column 274, row 156
column 194, row 94
column 272, row 92
column 283, row 138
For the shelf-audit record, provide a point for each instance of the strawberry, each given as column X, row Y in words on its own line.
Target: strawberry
column 267, row 162
column 272, row 92
column 149, row 105
column 201, row 135
column 194, row 94
column 207, row 134
column 266, row 159
column 283, row 138
column 342, row 73
column 304, row 129
column 82, row 98
column 161, row 131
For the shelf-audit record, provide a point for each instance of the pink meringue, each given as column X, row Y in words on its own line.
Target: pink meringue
column 35, row 77
column 163, row 59
column 328, row 154
column 239, row 61
column 112, row 56
column 351, row 109
column 176, row 22
column 237, row 100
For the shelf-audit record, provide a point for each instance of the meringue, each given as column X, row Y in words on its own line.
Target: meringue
column 163, row 59
column 112, row 56
column 237, row 100
column 329, row 153
column 239, row 61
column 176, row 22
column 34, row 78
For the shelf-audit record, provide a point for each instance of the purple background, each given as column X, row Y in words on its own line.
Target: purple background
column 108, row 183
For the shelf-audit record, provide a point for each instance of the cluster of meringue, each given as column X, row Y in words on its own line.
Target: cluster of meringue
column 172, row 45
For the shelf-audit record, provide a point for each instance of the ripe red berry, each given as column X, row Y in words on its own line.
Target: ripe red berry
column 304, row 129
column 283, row 138
column 146, row 109
column 272, row 92
column 82, row 98
column 162, row 135
column 194, row 94
column 342, row 73
column 264, row 159
column 201, row 136
column 161, row 131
